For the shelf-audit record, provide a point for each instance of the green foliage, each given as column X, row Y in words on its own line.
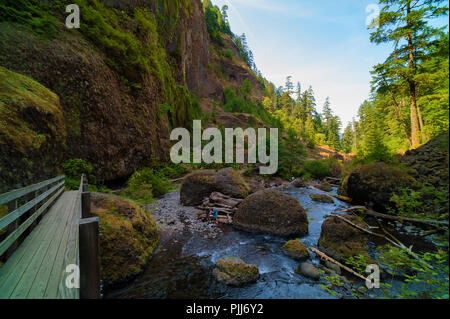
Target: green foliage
column 227, row 53
column 317, row 169
column 290, row 156
column 235, row 104
column 431, row 276
column 216, row 21
column 410, row 88
column 73, row 169
column 29, row 13
column 146, row 183
column 421, row 203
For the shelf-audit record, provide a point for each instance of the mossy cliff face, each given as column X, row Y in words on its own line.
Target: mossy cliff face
column 32, row 131
column 119, row 89
column 128, row 237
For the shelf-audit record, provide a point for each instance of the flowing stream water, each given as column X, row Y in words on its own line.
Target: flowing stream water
column 182, row 267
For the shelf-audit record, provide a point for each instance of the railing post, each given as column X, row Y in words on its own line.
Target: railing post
column 85, row 185
column 85, row 205
column 89, row 259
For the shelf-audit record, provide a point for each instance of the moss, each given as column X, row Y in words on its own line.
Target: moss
column 128, row 237
column 32, row 131
column 20, row 97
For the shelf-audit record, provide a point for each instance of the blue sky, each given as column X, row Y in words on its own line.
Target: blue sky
column 324, row 44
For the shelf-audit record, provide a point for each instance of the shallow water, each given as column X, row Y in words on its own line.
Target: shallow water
column 182, row 268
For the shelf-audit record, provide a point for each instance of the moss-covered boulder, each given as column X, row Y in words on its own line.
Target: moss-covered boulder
column 296, row 250
column 376, row 184
column 235, row 272
column 269, row 211
column 32, row 131
column 299, row 182
column 325, row 186
column 128, row 237
column 322, row 198
column 340, row 240
column 198, row 185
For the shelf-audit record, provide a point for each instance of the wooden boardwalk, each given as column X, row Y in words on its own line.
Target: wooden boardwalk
column 38, row 267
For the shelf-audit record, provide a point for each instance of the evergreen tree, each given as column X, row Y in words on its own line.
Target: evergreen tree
column 405, row 23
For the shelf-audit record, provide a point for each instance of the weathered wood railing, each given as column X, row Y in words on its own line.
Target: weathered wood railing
column 89, row 257
column 25, row 208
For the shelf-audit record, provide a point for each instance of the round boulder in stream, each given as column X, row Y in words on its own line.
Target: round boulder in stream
column 340, row 240
column 296, row 250
column 269, row 211
column 198, row 185
column 235, row 272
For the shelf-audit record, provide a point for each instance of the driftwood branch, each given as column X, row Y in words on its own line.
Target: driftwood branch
column 396, row 218
column 328, row 258
column 396, row 243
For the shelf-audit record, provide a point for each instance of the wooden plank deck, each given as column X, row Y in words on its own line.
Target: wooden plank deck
column 36, row 270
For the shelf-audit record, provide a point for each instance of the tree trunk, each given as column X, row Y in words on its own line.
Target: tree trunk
column 398, row 108
column 415, row 130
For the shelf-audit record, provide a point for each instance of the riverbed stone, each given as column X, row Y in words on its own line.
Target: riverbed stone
column 198, row 185
column 322, row 198
column 235, row 272
column 270, row 211
column 308, row 270
column 296, row 250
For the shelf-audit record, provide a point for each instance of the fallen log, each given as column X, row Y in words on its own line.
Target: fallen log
column 328, row 258
column 341, row 198
column 333, row 179
column 396, row 218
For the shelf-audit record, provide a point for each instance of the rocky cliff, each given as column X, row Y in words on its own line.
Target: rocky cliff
column 132, row 71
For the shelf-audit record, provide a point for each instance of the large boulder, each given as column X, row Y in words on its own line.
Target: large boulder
column 128, row 237
column 341, row 240
column 375, row 184
column 296, row 250
column 270, row 211
column 198, row 185
column 235, row 272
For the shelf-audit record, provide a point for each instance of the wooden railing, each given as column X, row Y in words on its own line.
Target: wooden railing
column 89, row 257
column 25, row 208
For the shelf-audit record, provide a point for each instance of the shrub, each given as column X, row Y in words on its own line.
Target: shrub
column 317, row 169
column 144, row 184
column 227, row 53
column 28, row 13
column 73, row 169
